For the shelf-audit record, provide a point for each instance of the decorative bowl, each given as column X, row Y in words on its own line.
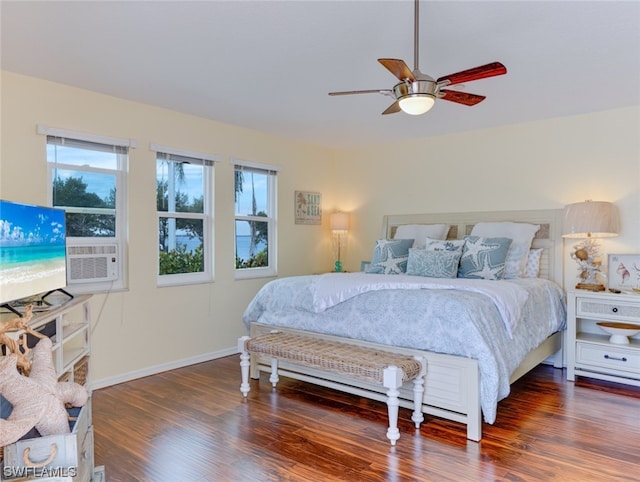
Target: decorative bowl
column 620, row 332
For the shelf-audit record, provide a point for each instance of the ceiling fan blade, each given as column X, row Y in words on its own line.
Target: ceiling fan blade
column 398, row 68
column 393, row 108
column 461, row 97
column 350, row 92
column 482, row 72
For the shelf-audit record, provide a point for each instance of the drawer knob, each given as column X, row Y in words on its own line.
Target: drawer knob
column 622, row 359
column 614, row 309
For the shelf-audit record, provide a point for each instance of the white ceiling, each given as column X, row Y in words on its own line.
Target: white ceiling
column 269, row 65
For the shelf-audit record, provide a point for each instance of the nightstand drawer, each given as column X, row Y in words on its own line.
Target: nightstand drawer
column 613, row 357
column 611, row 310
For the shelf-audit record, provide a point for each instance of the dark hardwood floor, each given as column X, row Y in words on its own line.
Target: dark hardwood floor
column 191, row 424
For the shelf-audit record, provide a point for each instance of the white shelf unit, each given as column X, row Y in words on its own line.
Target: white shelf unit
column 69, row 327
column 589, row 352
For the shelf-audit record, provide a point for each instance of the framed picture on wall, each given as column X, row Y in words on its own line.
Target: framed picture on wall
column 308, row 207
column 623, row 272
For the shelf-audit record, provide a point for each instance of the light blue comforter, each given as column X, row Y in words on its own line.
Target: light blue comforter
column 457, row 322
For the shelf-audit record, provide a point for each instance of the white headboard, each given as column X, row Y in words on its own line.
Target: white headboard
column 548, row 236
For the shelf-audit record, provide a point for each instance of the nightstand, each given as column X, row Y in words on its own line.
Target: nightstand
column 589, row 352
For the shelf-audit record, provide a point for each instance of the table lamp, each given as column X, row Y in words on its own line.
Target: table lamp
column 589, row 220
column 339, row 229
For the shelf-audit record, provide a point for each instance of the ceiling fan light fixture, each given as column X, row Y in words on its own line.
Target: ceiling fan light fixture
column 416, row 92
column 416, row 104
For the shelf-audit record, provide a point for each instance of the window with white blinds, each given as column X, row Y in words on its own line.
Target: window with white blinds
column 87, row 178
column 255, row 219
column 184, row 199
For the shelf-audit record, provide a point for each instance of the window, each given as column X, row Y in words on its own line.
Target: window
column 255, row 220
column 184, row 199
column 87, row 179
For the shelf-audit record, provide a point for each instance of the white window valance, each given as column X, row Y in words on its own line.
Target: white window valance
column 68, row 135
column 247, row 165
column 183, row 155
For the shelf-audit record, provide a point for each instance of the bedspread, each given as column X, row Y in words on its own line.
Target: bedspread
column 457, row 322
column 332, row 288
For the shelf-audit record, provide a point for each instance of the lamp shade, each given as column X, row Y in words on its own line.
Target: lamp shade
column 339, row 221
column 590, row 219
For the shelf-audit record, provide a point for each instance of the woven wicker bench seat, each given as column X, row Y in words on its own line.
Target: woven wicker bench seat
column 384, row 368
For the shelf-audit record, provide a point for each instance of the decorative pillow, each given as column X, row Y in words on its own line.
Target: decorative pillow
column 390, row 256
column 444, row 245
column 434, row 264
column 483, row 258
column 521, row 235
column 532, row 268
column 420, row 232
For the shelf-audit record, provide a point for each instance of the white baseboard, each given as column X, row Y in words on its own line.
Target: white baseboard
column 145, row 372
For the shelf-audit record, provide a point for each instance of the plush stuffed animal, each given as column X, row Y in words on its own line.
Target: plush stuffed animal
column 38, row 400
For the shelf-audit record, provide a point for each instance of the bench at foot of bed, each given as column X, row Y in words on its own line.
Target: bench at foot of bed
column 384, row 368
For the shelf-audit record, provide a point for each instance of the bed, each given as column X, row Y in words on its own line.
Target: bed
column 477, row 336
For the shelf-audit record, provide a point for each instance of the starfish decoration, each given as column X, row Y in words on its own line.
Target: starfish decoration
column 38, row 400
column 475, row 248
column 391, row 261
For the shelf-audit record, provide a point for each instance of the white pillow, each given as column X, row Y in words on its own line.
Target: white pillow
column 420, row 232
column 521, row 235
column 532, row 267
column 444, row 245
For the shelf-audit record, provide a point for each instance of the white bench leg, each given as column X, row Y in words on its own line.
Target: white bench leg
column 274, row 372
column 245, row 363
column 392, row 379
column 418, row 392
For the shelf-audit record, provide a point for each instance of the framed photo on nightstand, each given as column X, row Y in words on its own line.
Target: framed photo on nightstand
column 623, row 272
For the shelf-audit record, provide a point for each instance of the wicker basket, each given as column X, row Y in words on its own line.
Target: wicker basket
column 64, row 377
column 81, row 370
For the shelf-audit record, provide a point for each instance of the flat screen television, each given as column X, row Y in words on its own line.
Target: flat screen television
column 32, row 252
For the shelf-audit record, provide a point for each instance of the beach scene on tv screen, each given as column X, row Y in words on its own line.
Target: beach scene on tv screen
column 32, row 250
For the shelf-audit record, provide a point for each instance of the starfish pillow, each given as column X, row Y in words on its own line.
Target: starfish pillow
column 38, row 400
column 18, row 391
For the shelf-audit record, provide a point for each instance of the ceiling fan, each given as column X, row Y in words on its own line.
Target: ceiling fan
column 417, row 92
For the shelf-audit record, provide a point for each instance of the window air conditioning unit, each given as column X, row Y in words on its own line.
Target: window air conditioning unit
column 87, row 263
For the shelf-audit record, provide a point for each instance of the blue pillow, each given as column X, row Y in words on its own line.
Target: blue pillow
column 483, row 258
column 434, row 264
column 390, row 256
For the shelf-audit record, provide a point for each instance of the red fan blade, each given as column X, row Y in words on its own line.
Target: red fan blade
column 392, row 109
column 462, row 97
column 398, row 68
column 482, row 72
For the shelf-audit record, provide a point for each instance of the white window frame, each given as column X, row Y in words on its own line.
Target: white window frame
column 271, row 220
column 208, row 161
column 121, row 238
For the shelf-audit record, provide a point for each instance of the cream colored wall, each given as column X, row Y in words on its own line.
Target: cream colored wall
column 147, row 326
column 537, row 165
